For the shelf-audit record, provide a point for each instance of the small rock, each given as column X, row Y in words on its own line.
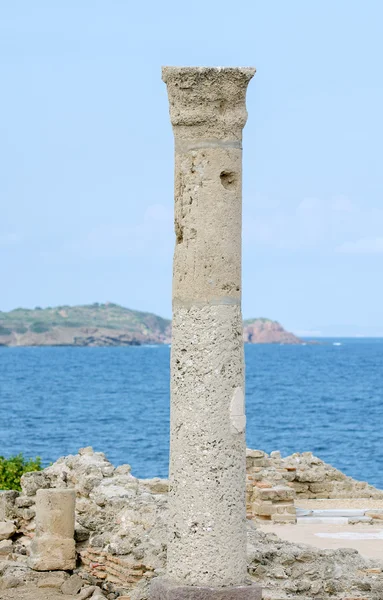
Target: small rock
column 86, row 592
column 6, row 547
column 86, row 450
column 33, row 481
column 52, row 581
column 7, row 504
column 123, row 470
column 276, row 454
column 254, row 453
column 24, row 501
column 264, row 484
column 81, row 534
column 9, row 581
column 98, row 595
column 72, row 585
column 7, row 529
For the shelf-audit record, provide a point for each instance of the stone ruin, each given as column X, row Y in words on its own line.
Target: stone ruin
column 120, row 534
column 274, row 485
column 99, row 528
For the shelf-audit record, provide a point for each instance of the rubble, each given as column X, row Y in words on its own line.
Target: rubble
column 307, row 475
column 120, row 532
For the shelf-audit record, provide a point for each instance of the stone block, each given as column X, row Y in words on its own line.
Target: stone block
column 254, row 453
column 263, row 484
column 285, row 518
column 162, row 588
column 263, row 508
column 54, row 581
column 53, row 547
column 7, row 504
column 284, row 493
column 87, row 592
column 73, row 585
column 24, row 502
column 52, row 554
column 282, row 508
column 276, row 455
column 300, row 487
column 34, row 481
column 7, row 529
column 323, row 487
column 6, row 548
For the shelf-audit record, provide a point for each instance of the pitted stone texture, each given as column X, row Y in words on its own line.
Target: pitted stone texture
column 207, row 102
column 164, row 589
column 53, row 547
column 7, row 529
column 208, row 222
column 131, row 533
column 7, row 504
column 207, row 518
column 307, row 475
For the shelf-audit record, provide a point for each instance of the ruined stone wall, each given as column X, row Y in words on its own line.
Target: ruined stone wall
column 120, row 533
column 306, row 474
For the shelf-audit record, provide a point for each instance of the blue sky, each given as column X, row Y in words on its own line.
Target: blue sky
column 86, row 152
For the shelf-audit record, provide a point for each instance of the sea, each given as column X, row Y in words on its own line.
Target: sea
column 326, row 398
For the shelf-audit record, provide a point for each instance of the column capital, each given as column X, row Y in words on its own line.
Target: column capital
column 207, row 103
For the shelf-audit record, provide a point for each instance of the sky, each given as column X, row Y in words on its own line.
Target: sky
column 86, row 154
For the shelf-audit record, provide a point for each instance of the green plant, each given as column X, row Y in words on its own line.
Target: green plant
column 12, row 468
column 4, row 330
column 39, row 327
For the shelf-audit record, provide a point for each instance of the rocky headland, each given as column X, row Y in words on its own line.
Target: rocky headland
column 265, row 331
column 110, row 325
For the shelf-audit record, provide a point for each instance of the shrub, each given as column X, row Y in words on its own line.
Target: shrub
column 39, row 327
column 11, row 470
column 4, row 330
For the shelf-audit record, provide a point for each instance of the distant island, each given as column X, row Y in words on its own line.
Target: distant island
column 110, row 325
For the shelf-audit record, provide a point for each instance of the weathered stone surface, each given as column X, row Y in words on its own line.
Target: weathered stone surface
column 53, row 547
column 14, row 574
column 130, row 531
column 24, row 502
column 31, row 482
column 87, row 592
column 164, row 589
column 307, row 475
column 7, row 504
column 53, row 580
column 72, row 585
column 6, row 548
column 7, row 529
column 207, row 516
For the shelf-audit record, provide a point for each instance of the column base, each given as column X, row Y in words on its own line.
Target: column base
column 162, row 588
column 49, row 553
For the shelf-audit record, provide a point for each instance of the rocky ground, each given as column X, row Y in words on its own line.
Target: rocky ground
column 121, row 543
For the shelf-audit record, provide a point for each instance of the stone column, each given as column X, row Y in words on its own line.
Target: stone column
column 207, row 514
column 53, row 547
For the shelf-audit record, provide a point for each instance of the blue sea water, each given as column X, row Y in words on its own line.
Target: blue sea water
column 323, row 398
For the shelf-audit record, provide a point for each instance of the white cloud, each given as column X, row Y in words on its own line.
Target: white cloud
column 362, row 246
